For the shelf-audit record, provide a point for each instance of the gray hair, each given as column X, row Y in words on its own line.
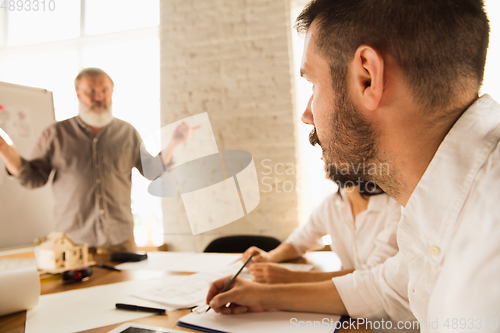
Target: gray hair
column 91, row 71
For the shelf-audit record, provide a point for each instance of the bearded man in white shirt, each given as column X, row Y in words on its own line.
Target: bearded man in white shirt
column 396, row 83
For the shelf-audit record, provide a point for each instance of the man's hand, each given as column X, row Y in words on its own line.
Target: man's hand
column 10, row 156
column 182, row 133
column 272, row 273
column 258, row 255
column 244, row 296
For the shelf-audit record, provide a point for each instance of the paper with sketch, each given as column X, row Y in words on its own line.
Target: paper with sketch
column 269, row 321
column 183, row 262
column 193, row 290
column 189, row 292
column 16, row 121
column 83, row 309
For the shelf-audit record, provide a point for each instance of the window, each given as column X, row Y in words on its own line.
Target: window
column 47, row 49
column 119, row 15
column 492, row 71
column 26, row 27
column 312, row 174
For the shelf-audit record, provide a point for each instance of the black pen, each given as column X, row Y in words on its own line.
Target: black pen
column 131, row 307
column 230, row 282
column 111, row 268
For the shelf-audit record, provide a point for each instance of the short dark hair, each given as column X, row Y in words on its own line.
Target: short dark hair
column 441, row 45
column 91, row 71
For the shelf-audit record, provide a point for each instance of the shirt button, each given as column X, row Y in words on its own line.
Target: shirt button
column 413, row 290
column 98, row 181
column 102, row 211
column 95, row 140
column 434, row 251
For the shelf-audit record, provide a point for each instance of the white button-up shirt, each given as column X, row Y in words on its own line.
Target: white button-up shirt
column 360, row 244
column 448, row 266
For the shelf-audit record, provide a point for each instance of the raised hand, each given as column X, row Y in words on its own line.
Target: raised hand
column 182, row 133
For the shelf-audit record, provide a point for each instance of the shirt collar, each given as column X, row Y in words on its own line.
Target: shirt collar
column 431, row 213
column 375, row 204
column 88, row 130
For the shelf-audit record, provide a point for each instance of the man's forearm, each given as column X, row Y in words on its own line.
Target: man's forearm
column 319, row 297
column 284, row 251
column 320, row 276
column 168, row 153
column 12, row 161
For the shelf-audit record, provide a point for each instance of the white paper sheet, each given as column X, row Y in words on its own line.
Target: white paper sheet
column 193, row 290
column 19, row 284
column 183, row 262
column 88, row 308
column 189, row 292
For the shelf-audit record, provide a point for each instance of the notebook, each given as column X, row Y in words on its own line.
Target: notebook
column 269, row 321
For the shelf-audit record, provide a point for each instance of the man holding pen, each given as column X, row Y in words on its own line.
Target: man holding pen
column 397, row 83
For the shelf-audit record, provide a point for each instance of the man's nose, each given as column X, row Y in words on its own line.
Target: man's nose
column 307, row 116
column 99, row 96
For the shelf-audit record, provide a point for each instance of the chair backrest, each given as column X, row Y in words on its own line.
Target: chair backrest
column 238, row 244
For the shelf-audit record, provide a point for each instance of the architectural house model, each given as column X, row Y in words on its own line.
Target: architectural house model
column 58, row 254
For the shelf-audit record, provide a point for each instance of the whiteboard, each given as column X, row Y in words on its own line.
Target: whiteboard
column 24, row 214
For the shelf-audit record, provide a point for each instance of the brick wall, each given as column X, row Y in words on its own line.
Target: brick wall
column 232, row 59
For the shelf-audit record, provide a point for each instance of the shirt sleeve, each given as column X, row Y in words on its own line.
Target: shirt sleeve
column 148, row 165
column 386, row 244
column 308, row 236
column 35, row 172
column 379, row 292
column 468, row 284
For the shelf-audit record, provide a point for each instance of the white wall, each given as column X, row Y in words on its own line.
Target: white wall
column 232, row 59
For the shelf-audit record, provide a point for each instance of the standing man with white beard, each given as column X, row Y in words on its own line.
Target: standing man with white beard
column 92, row 155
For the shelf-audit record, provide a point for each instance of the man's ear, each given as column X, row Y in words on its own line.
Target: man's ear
column 368, row 77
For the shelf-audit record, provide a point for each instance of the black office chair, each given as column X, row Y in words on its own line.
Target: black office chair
column 238, row 244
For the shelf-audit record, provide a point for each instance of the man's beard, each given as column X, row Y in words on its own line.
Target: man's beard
column 97, row 115
column 350, row 151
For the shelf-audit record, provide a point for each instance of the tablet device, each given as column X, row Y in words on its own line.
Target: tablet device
column 138, row 328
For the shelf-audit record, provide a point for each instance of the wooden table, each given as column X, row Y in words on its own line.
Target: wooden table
column 15, row 322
